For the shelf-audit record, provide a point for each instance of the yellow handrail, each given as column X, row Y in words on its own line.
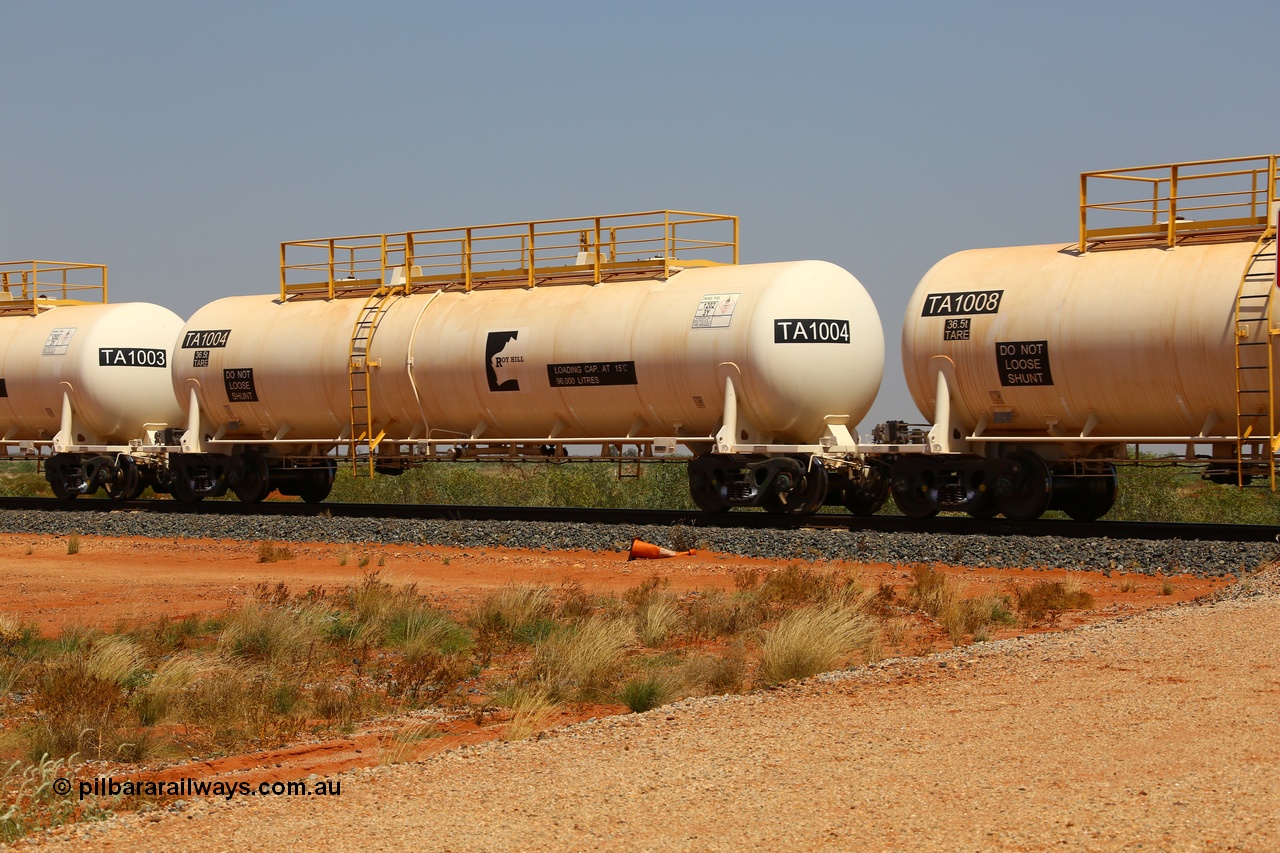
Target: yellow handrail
column 592, row 249
column 28, row 286
column 1199, row 197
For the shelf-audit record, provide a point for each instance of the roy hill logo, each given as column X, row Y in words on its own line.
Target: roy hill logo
column 500, row 363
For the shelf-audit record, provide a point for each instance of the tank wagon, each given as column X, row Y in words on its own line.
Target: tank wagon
column 522, row 340
column 84, row 385
column 1041, row 367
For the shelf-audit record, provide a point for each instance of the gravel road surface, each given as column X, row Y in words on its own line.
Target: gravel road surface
column 1157, row 731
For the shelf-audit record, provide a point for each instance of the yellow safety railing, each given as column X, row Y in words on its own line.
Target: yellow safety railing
column 1170, row 203
column 28, row 286
column 587, row 249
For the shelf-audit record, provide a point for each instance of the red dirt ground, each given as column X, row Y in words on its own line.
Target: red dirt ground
column 112, row 582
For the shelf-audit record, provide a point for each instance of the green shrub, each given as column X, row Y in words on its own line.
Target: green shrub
column 78, row 711
column 564, row 483
column 643, row 693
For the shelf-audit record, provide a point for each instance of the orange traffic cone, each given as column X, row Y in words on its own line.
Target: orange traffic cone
column 642, row 550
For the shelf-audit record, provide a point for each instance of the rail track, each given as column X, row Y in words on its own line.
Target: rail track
column 954, row 525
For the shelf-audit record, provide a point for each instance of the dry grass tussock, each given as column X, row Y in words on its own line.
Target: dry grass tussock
column 715, row 674
column 12, row 632
column 530, row 707
column 1045, row 601
column 34, row 803
column 276, row 635
column 270, row 552
column 399, row 747
column 163, row 694
column 582, row 660
column 82, row 700
column 944, row 599
column 515, row 614
column 814, row 639
column 657, row 620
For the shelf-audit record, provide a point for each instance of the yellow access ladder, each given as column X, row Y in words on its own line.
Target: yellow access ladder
column 358, row 367
column 1255, row 360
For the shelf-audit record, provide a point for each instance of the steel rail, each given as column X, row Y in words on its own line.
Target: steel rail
column 949, row 525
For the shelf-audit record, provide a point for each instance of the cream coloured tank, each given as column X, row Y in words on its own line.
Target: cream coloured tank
column 1124, row 342
column 801, row 341
column 111, row 361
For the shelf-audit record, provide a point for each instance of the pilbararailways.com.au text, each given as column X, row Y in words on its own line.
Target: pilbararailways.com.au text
column 107, row 786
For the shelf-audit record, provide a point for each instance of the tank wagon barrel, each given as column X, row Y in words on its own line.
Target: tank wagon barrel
column 521, row 340
column 1039, row 366
column 1035, row 367
column 84, row 384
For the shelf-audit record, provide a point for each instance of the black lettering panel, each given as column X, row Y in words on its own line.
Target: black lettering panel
column 132, row 357
column 811, row 331
column 957, row 329
column 1023, row 363
column 208, row 339
column 239, row 384
column 4, row 392
column 961, row 304
column 585, row 374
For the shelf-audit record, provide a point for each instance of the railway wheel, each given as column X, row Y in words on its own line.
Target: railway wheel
column 867, row 496
column 318, row 483
column 1023, row 487
column 128, row 483
column 65, row 476
column 254, row 483
column 788, row 497
column 914, row 487
column 183, row 489
column 1090, row 497
column 982, row 501
column 705, row 481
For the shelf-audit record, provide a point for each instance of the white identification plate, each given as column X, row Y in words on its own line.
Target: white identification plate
column 715, row 310
column 57, row 342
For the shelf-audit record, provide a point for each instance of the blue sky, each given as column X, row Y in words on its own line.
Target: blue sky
column 179, row 143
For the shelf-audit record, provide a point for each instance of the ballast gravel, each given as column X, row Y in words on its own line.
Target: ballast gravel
column 1155, row 731
column 1173, row 556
